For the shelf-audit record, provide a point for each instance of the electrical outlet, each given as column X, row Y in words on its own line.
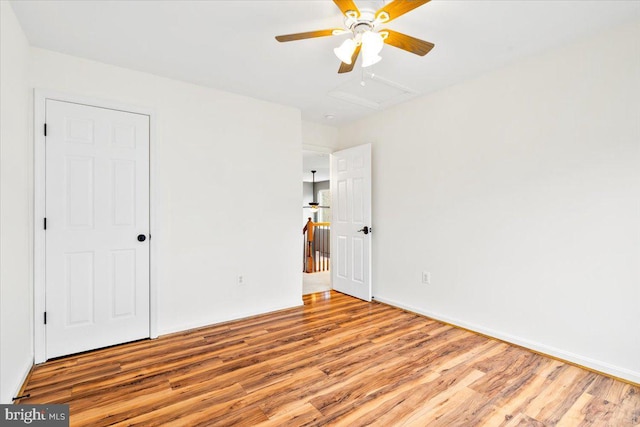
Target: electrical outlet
column 240, row 279
column 426, row 277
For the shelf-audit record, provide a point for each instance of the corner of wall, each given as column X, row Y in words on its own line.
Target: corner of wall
column 318, row 137
column 16, row 220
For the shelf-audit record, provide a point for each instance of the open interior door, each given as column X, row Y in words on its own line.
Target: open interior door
column 351, row 221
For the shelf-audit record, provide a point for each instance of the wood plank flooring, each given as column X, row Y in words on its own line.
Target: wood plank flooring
column 335, row 361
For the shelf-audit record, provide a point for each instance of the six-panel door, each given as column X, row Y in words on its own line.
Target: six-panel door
column 97, row 204
column 351, row 212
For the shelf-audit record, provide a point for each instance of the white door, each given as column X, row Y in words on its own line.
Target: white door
column 97, row 227
column 351, row 221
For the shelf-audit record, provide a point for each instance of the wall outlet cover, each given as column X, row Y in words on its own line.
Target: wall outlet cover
column 426, row 277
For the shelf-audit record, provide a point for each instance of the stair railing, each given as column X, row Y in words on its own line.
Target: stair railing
column 316, row 249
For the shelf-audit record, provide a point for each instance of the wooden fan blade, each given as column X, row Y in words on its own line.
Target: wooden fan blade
column 346, row 6
column 308, row 35
column 399, row 7
column 345, row 68
column 408, row 43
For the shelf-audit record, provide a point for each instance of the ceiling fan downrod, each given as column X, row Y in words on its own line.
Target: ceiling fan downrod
column 314, row 205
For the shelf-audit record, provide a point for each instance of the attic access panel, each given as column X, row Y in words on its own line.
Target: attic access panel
column 376, row 93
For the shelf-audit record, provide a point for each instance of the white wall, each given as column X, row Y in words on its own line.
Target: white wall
column 520, row 192
column 16, row 353
column 318, row 137
column 212, row 147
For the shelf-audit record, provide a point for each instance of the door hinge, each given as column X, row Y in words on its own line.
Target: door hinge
column 45, row 317
column 45, row 223
column 45, row 129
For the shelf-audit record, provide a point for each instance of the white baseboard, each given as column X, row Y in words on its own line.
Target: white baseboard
column 596, row 365
column 26, row 368
column 214, row 321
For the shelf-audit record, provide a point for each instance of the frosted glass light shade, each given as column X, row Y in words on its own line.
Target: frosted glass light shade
column 372, row 44
column 367, row 61
column 345, row 51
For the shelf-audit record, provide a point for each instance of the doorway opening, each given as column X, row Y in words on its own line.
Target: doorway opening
column 316, row 222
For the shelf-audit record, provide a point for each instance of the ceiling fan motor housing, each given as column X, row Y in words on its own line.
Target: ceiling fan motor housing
column 359, row 24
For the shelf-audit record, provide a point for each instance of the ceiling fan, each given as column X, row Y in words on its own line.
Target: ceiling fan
column 367, row 38
column 314, row 206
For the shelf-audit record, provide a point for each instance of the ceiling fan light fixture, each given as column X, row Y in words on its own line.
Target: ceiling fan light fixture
column 345, row 51
column 372, row 44
column 363, row 25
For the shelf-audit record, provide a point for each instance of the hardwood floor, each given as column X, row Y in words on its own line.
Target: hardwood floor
column 335, row 361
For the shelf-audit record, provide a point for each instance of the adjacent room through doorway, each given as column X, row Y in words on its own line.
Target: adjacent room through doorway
column 316, row 222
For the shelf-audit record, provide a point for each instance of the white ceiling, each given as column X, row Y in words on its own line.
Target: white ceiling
column 230, row 45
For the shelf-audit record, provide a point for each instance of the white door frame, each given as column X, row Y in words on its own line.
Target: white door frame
column 39, row 254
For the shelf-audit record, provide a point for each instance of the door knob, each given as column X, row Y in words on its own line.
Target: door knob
column 364, row 230
column 141, row 237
